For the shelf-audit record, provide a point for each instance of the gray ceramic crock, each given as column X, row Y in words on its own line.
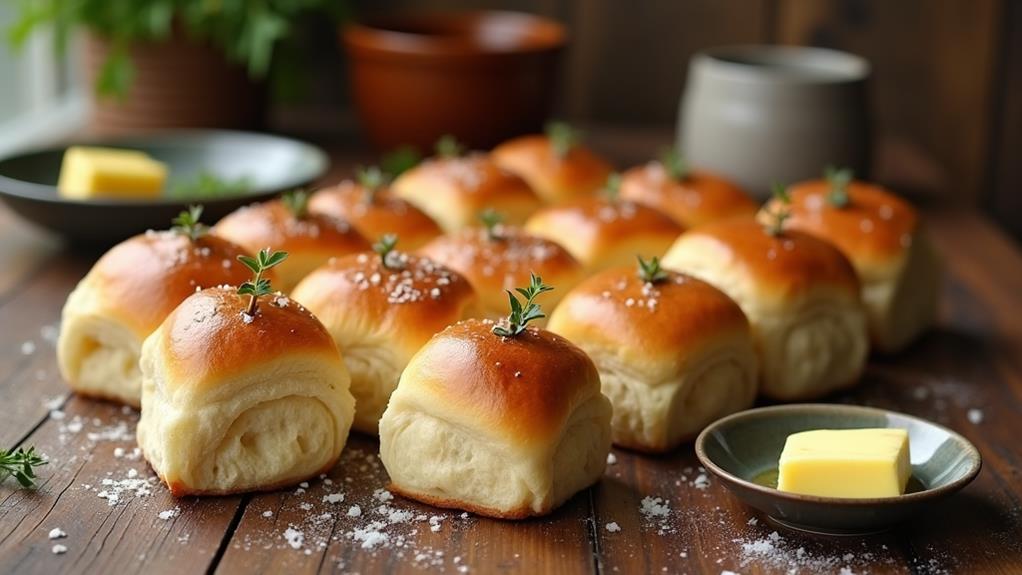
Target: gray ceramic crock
column 766, row 114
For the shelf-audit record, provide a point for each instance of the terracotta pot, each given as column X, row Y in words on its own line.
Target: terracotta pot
column 178, row 83
column 481, row 76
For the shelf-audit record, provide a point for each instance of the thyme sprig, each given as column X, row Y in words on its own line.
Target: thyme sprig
column 448, row 147
column 838, row 178
column 492, row 220
column 522, row 313
column 562, row 137
column 372, row 179
column 296, row 202
column 674, row 164
column 612, row 187
column 258, row 285
column 20, row 463
column 187, row 223
column 385, row 248
column 774, row 221
column 650, row 271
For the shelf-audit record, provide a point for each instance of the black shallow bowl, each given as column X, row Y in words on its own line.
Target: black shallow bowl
column 743, row 446
column 271, row 164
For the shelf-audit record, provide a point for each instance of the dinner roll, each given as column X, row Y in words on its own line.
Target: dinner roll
column 555, row 164
column 800, row 294
column 286, row 224
column 690, row 197
column 603, row 233
column 380, row 311
column 882, row 236
column 507, row 427
column 375, row 211
column 123, row 299
column 674, row 353
column 454, row 189
column 497, row 259
column 233, row 402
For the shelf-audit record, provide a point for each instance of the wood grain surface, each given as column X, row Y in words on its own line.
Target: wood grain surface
column 972, row 363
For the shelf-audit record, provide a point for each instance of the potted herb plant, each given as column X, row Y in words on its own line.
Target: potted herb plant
column 173, row 63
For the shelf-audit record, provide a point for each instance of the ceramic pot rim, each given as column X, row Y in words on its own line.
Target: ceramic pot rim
column 768, row 64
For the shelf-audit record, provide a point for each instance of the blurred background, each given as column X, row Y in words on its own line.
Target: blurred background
column 945, row 93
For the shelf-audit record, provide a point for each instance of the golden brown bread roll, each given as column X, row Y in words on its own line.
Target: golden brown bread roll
column 602, row 233
column 496, row 262
column 375, row 213
column 692, row 200
column 233, row 402
column 507, row 427
column 800, row 294
column 454, row 190
column 380, row 315
column 674, row 353
column 555, row 164
column 310, row 239
column 882, row 236
column 123, row 299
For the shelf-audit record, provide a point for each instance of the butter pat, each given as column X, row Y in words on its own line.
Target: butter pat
column 109, row 173
column 856, row 463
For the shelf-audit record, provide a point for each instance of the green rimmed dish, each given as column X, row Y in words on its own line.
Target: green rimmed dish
column 743, row 449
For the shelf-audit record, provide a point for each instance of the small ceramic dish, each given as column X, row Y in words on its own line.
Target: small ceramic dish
column 743, row 450
column 268, row 165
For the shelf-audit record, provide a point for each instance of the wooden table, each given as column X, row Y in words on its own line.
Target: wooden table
column 966, row 374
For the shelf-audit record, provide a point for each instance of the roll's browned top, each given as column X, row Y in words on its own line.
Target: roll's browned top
column 665, row 319
column 210, row 338
column 599, row 221
column 144, row 278
column 474, row 181
column 698, row 198
column 555, row 178
column 271, row 224
column 375, row 215
column 527, row 386
column 874, row 228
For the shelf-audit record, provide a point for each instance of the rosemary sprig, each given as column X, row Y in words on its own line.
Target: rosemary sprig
column 297, row 202
column 522, row 313
column 20, row 463
column 491, row 219
column 258, row 285
column 187, row 223
column 385, row 247
column 650, row 271
column 838, row 179
column 372, row 180
column 448, row 147
column 612, row 187
column 774, row 224
column 400, row 160
column 673, row 163
column 562, row 137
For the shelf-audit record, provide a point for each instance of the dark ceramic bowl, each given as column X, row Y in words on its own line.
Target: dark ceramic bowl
column 270, row 164
column 481, row 76
column 743, row 449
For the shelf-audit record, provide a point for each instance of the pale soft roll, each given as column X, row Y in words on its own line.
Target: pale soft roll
column 882, row 236
column 234, row 403
column 554, row 177
column 380, row 315
column 602, row 233
column 800, row 294
column 454, row 191
column 374, row 215
column 673, row 355
column 310, row 240
column 503, row 262
column 125, row 296
column 505, row 427
column 696, row 199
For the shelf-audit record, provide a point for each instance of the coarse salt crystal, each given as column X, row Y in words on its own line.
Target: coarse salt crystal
column 333, row 498
column 611, row 459
column 59, row 549
column 354, row 511
column 975, row 416
column 267, row 513
column 294, row 537
column 28, row 348
column 170, row 513
column 613, row 527
column 57, row 533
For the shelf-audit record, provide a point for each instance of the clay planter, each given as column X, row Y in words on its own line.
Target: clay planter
column 481, row 76
column 178, row 83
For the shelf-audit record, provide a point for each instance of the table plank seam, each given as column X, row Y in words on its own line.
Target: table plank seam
column 592, row 530
column 228, row 536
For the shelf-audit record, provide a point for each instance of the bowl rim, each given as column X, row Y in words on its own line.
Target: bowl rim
column 373, row 34
column 946, row 489
column 846, row 67
column 34, row 191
